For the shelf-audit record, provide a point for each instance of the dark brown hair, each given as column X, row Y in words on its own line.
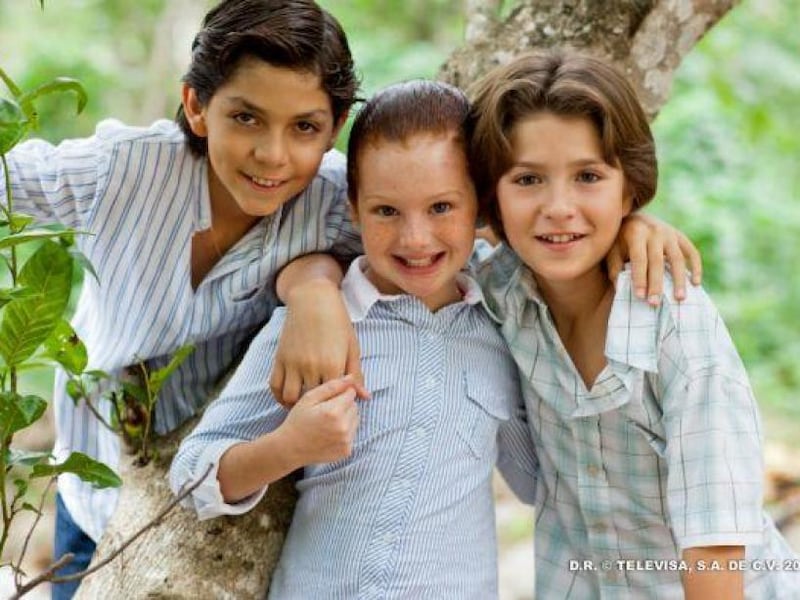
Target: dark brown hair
column 565, row 84
column 402, row 110
column 295, row 34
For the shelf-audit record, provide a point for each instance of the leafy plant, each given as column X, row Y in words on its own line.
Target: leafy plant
column 33, row 330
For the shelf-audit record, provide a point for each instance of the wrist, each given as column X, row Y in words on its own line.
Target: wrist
column 312, row 288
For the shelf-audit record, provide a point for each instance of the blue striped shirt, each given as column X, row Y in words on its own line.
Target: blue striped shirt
column 410, row 513
column 663, row 452
column 143, row 196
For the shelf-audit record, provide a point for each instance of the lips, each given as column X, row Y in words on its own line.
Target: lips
column 265, row 182
column 419, row 263
column 560, row 238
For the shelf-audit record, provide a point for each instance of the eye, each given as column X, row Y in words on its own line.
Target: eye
column 244, row 118
column 307, row 127
column 385, row 211
column 440, row 208
column 588, row 177
column 527, row 179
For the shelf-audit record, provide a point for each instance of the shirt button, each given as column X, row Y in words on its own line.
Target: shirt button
column 593, row 470
column 599, row 527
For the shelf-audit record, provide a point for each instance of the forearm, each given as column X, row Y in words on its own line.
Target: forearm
column 709, row 577
column 247, row 467
column 310, row 269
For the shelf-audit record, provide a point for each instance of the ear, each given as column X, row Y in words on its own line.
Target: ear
column 194, row 111
column 337, row 127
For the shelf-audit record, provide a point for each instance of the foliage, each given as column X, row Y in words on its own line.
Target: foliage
column 34, row 331
column 32, row 319
column 730, row 177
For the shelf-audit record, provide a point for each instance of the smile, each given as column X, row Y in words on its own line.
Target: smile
column 560, row 238
column 420, row 263
column 266, row 183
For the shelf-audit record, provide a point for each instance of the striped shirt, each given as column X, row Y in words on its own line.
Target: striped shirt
column 142, row 196
column 410, row 513
column 663, row 452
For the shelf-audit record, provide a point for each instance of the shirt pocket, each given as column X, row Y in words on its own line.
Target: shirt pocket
column 386, row 407
column 481, row 415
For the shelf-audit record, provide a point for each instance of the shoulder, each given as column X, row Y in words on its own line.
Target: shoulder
column 162, row 131
column 690, row 334
column 333, row 170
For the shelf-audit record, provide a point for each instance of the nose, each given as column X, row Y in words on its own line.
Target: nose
column 416, row 233
column 559, row 204
column 271, row 149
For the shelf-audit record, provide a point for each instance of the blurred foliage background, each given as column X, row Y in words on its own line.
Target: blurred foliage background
column 728, row 138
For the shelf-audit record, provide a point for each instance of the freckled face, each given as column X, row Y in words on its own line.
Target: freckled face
column 267, row 129
column 560, row 203
column 416, row 211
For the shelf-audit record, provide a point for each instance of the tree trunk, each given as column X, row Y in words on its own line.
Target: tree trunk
column 234, row 556
column 181, row 557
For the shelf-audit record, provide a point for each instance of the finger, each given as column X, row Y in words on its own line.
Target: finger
column 276, row 380
column 638, row 258
column 677, row 266
column 655, row 271
column 692, row 254
column 339, row 388
column 353, row 368
column 614, row 263
column 292, row 386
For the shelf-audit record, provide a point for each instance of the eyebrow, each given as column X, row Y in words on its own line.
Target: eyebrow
column 316, row 113
column 581, row 162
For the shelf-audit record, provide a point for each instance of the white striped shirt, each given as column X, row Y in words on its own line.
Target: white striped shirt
column 663, row 453
column 410, row 513
column 142, row 196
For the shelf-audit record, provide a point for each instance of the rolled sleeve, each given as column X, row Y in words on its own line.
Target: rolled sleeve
column 206, row 499
column 715, row 483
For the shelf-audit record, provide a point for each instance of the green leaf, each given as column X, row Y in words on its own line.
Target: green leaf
column 9, row 294
column 137, row 392
column 30, row 507
column 83, row 262
column 66, row 348
column 19, row 221
column 28, row 322
column 57, row 85
column 18, row 412
column 13, row 124
column 30, row 235
column 85, row 467
column 74, row 391
column 25, row 458
column 22, row 487
column 158, row 377
column 12, row 87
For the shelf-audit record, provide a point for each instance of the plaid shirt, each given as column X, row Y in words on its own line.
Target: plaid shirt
column 663, row 452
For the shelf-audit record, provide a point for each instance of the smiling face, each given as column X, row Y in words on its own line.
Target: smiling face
column 267, row 129
column 560, row 203
column 416, row 210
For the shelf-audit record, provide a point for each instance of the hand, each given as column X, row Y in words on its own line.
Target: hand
column 646, row 240
column 323, row 423
column 317, row 343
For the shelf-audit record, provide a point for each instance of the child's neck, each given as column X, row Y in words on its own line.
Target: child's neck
column 580, row 310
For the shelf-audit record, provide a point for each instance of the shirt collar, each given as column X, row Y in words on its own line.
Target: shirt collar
column 360, row 294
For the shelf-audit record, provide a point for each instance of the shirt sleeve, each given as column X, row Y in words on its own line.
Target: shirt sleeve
column 516, row 458
column 713, row 433
column 57, row 184
column 244, row 410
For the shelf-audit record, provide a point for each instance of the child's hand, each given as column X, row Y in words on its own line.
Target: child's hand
column 317, row 343
column 645, row 241
column 323, row 422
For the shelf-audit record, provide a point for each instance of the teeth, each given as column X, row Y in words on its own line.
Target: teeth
column 561, row 238
column 419, row 262
column 265, row 182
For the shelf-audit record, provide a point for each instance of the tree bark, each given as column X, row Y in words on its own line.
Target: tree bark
column 647, row 39
column 234, row 557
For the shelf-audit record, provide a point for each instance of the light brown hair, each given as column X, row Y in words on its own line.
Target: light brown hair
column 564, row 84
